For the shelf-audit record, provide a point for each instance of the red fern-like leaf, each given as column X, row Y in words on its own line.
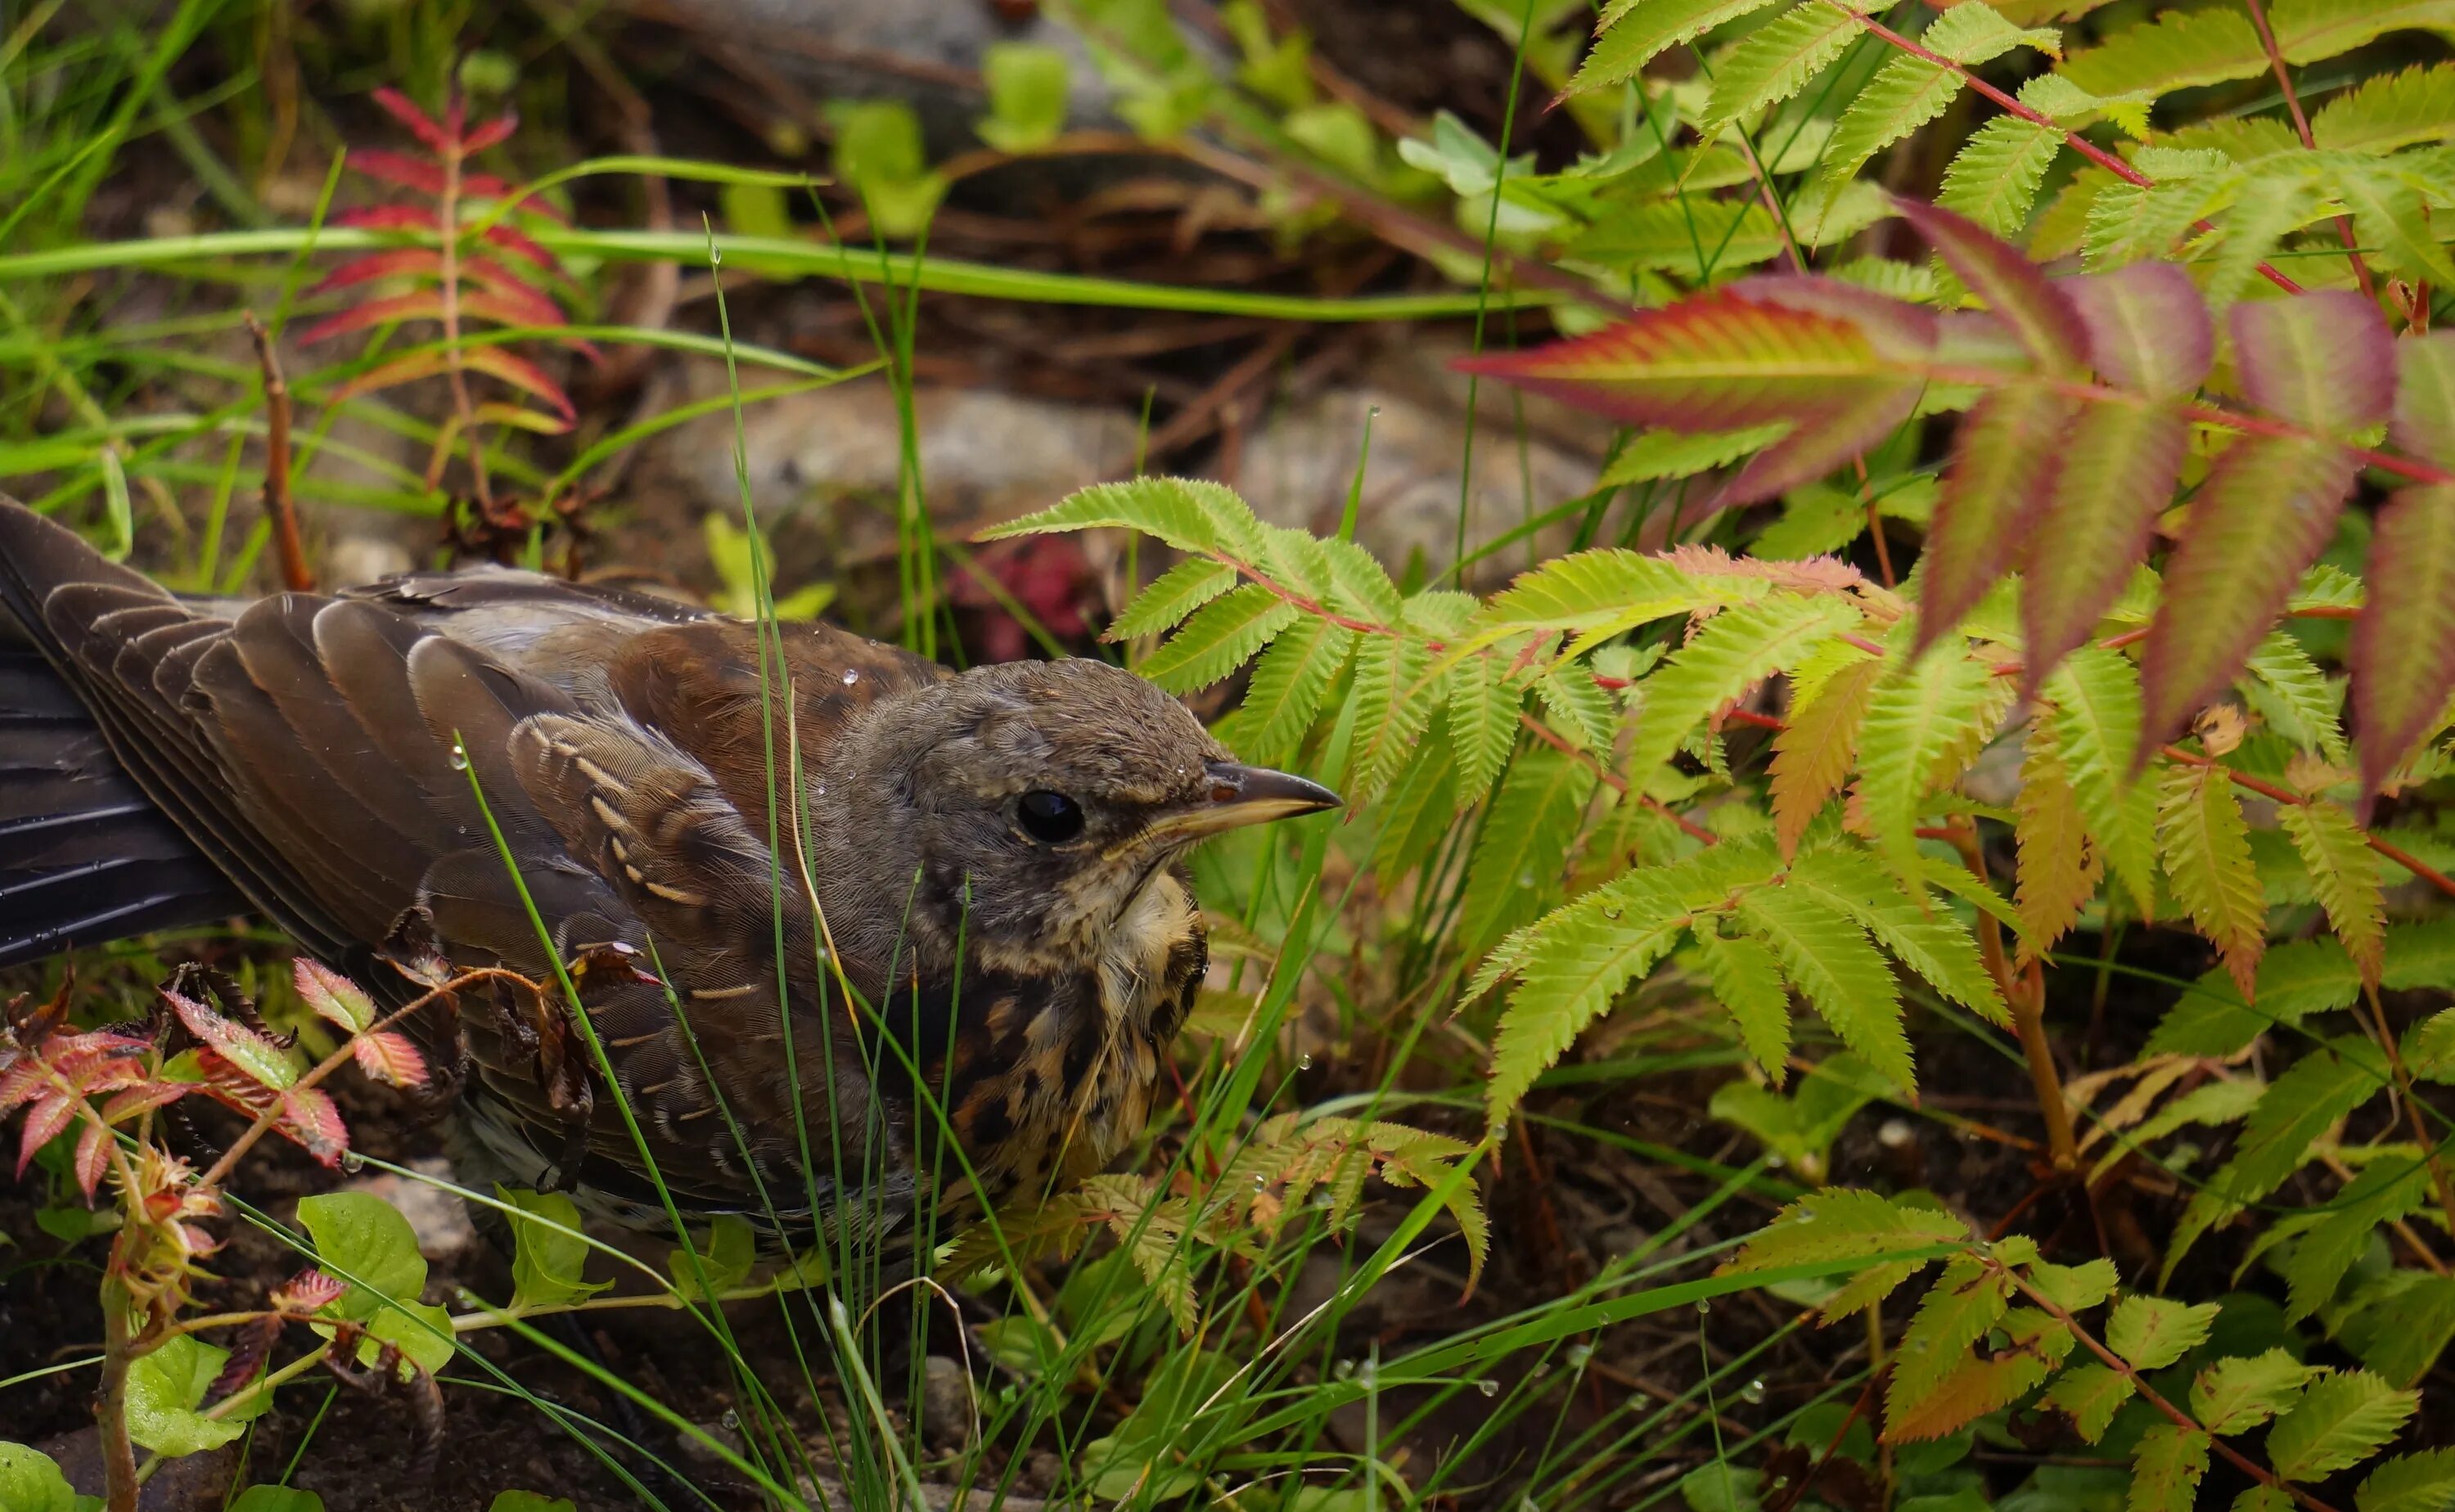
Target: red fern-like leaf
column 420, row 125
column 390, row 1058
column 2265, row 513
column 2117, row 469
column 2148, row 327
column 1998, row 484
column 2403, row 644
column 2020, row 294
column 2325, row 360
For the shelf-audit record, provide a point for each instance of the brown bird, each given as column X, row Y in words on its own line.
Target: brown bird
column 990, row 859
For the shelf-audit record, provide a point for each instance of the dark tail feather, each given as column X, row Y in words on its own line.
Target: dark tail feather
column 84, row 859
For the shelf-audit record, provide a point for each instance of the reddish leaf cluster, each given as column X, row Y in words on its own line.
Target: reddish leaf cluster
column 460, row 275
column 2088, row 388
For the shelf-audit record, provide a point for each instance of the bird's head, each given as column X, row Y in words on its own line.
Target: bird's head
column 1034, row 802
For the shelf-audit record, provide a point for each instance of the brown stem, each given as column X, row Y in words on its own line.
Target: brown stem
column 2149, row 1394
column 119, row 1351
column 2026, row 997
column 277, row 502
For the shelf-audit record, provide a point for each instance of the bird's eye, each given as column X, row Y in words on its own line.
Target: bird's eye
column 1052, row 818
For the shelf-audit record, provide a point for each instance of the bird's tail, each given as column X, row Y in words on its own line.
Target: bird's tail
column 84, row 857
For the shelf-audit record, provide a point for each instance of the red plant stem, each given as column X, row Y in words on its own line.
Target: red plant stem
column 2269, row 790
column 119, row 1352
column 2078, row 143
column 277, row 502
column 1614, row 781
column 2301, row 125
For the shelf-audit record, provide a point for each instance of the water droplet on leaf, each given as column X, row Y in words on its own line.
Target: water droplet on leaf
column 1304, row 1063
column 1753, row 1392
column 1488, row 1386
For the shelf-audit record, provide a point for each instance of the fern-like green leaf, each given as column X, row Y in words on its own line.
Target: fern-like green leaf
column 2054, row 867
column 1515, row 868
column 1747, row 980
column 2152, row 1332
column 1671, row 454
column 1736, row 650
column 1905, row 95
column 2090, row 1395
column 1484, row 703
column 1925, row 723
column 2346, row 870
column 2390, row 110
column 1395, row 699
column 1648, row 29
column 2239, row 1394
column 1594, row 596
column 2266, row 211
column 2096, row 695
column 1585, row 961
column 2326, row 1250
column 1219, row 638
column 1844, row 1223
column 2206, row 850
column 1172, row 596
column 1579, row 704
column 2291, row 690
column 2387, row 215
column 2180, row 50
column 1288, row 686
column 1994, row 179
column 1827, row 955
column 1188, row 513
column 1966, row 1301
column 1359, row 587
column 1418, row 809
column 1776, row 61
column 2283, row 1133
column 1931, row 943
column 2411, row 1482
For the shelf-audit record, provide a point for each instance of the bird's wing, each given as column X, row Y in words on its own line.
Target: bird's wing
column 349, row 760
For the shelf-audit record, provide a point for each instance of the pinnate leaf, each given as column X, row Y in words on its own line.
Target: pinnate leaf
column 2410, row 1483
column 2152, row 1332
column 1736, row 650
column 2095, row 697
column 2322, row 360
column 2206, row 848
column 2167, row 1468
column 1220, row 638
column 2054, row 867
column 1172, row 596
column 2040, row 313
column 2344, row 1419
column 335, row 998
column 1747, row 980
column 2147, row 327
column 1966, row 1301
column 1587, row 955
column 1925, row 723
column 1993, row 180
column 2269, row 506
column 1817, row 744
column 1523, row 841
column 2239, row 1394
column 2346, row 870
column 2404, row 643
column 1845, row 1223
column 1827, row 955
column 1995, row 488
column 2090, row 1395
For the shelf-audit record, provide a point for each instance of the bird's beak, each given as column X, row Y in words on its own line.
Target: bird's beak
column 1239, row 796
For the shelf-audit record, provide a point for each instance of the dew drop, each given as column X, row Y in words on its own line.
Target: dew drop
column 460, row 758
column 1304, row 1063
column 1261, row 1183
column 731, row 1421
column 1488, row 1386
column 1753, row 1392
column 354, row 1162
column 850, row 677
column 1703, row 1306
column 1578, row 1355
column 1344, row 1369
column 1322, row 1200
column 716, row 256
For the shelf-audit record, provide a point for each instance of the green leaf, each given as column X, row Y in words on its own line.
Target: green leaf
column 1029, row 87
column 31, row 1481
column 1588, row 955
column 1597, row 595
column 2152, row 1332
column 2207, row 849
column 2075, row 1288
column 1579, row 704
column 1994, row 490
column 1747, row 980
column 363, row 1240
column 2237, row 1395
column 2403, row 644
column 1826, row 954
column 1905, row 93
column 1841, row 1223
column 1736, row 649
column 1648, row 30
column 1515, row 868
column 1417, row 812
column 2401, row 1323
column 1671, row 454
column 2054, row 868
column 2166, row 1467
column 1394, row 709
column 1189, row 514
column 2389, row 111
column 166, row 1388
column 2295, row 697
column 546, row 1261
column 2283, row 1133
column 1171, row 595
column 1483, row 709
column 2090, row 1395
column 1994, row 177
column 1929, row 941
column 1776, row 61
column 276, row 1499
column 1219, row 638
column 2388, row 218
column 1966, row 1301
column 2346, row 870
column 1924, row 725
column 1287, row 688
column 732, row 1247
column 2410, row 1483
column 2327, row 1250
column 2344, row 1419
column 528, row 1501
